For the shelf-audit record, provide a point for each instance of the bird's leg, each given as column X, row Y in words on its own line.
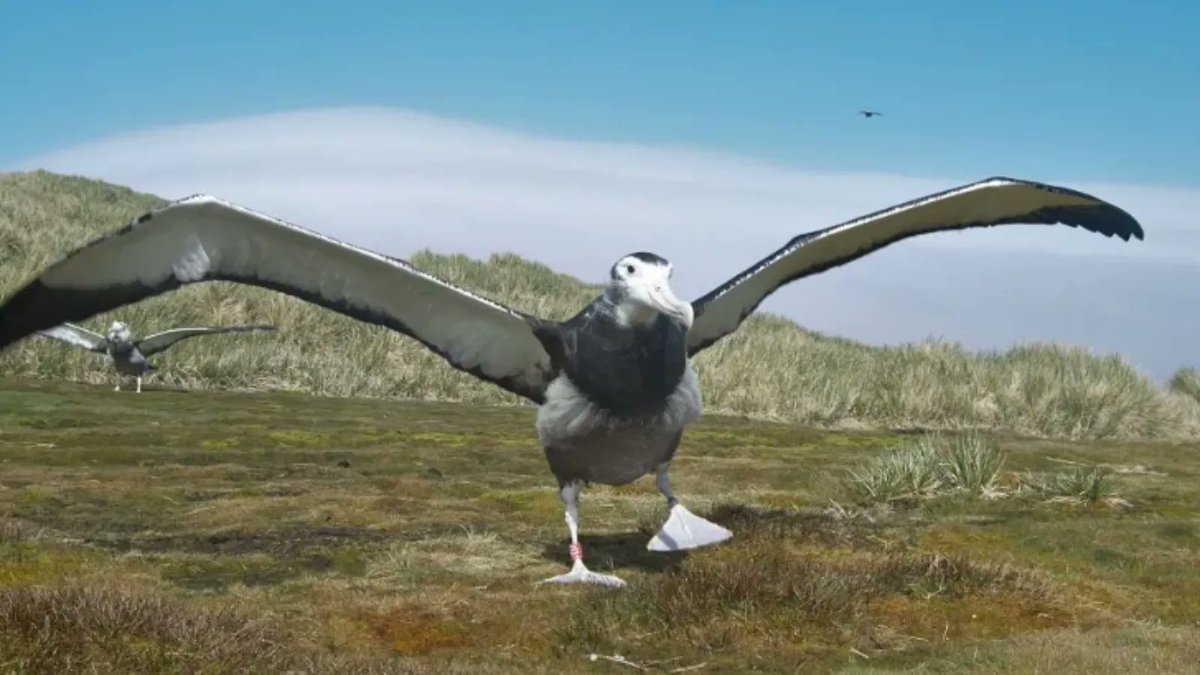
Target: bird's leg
column 139, row 384
column 579, row 574
column 683, row 529
column 662, row 478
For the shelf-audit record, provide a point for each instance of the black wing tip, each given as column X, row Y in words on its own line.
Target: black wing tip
column 1108, row 219
column 1102, row 217
column 1127, row 226
column 1131, row 227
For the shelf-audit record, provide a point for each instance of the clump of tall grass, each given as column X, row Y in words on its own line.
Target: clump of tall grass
column 911, row 472
column 1186, row 381
column 971, row 464
column 1086, row 485
column 770, row 369
column 927, row 468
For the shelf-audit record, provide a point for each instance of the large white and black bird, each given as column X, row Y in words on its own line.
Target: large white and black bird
column 130, row 355
column 614, row 383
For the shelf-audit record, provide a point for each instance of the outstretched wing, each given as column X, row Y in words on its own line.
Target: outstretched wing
column 153, row 344
column 201, row 238
column 78, row 336
column 994, row 201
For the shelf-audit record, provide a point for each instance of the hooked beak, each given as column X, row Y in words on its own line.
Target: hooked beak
column 664, row 300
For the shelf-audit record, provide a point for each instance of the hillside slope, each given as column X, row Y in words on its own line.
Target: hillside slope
column 771, row 368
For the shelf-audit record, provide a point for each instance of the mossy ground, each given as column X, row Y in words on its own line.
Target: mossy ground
column 219, row 532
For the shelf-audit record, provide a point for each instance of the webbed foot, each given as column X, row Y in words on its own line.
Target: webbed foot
column 580, row 574
column 685, row 530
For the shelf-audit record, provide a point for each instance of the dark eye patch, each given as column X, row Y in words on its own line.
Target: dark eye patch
column 629, row 269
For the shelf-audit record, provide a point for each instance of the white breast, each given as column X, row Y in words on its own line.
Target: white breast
column 568, row 416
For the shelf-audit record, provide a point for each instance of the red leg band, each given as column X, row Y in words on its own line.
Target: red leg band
column 576, row 552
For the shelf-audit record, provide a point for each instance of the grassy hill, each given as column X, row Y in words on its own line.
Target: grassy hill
column 771, row 369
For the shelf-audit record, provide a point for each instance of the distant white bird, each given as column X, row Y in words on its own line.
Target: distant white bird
column 129, row 356
column 614, row 383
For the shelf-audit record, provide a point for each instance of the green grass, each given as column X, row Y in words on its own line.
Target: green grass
column 928, row 468
column 271, row 532
column 771, row 369
column 1086, row 485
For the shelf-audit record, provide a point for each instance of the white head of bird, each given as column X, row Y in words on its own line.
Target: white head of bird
column 119, row 332
column 640, row 288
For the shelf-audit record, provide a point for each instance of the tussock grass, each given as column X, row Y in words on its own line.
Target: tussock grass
column 927, row 468
column 972, row 465
column 1088, row 485
column 909, row 473
column 771, row 369
column 1186, row 382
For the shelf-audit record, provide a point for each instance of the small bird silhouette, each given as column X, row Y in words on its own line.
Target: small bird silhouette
column 869, row 113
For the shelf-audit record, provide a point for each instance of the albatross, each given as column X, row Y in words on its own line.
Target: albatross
column 129, row 356
column 614, row 384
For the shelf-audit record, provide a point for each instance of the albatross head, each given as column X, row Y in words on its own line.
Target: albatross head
column 640, row 287
column 119, row 332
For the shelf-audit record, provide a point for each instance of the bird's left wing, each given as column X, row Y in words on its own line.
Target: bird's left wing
column 994, row 201
column 153, row 344
column 78, row 336
column 202, row 238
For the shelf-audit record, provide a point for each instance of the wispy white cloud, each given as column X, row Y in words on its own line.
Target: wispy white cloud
column 397, row 181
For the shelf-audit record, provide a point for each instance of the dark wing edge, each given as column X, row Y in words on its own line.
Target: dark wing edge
column 1100, row 217
column 25, row 311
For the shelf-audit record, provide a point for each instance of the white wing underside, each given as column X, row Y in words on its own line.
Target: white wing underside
column 76, row 335
column 202, row 238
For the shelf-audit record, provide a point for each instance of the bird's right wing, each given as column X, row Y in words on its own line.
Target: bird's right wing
column 153, row 344
column 202, row 238
column 78, row 336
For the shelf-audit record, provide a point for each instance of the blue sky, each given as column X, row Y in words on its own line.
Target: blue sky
column 1091, row 90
